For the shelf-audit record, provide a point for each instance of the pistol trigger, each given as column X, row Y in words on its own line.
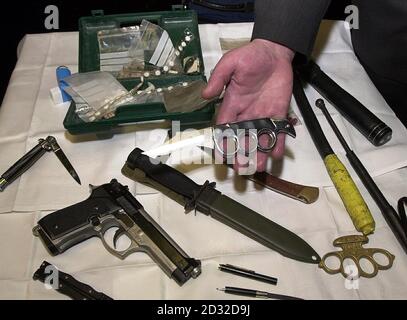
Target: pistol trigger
column 119, row 233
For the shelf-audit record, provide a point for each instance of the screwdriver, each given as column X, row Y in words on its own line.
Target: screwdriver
column 396, row 222
column 346, row 187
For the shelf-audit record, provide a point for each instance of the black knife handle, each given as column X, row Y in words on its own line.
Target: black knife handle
column 25, row 163
column 375, row 130
column 68, row 285
column 163, row 175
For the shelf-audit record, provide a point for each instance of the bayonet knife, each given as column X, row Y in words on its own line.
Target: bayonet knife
column 206, row 199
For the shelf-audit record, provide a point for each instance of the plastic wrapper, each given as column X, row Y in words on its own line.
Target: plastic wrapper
column 98, row 95
column 118, row 40
column 144, row 51
column 93, row 93
column 185, row 97
column 146, row 94
column 137, row 69
column 134, row 97
column 114, row 46
column 157, row 47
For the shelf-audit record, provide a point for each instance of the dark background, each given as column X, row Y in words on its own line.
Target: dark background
column 20, row 18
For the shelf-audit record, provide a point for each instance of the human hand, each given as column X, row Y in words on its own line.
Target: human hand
column 258, row 79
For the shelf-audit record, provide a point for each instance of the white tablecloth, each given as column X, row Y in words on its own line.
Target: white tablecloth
column 28, row 114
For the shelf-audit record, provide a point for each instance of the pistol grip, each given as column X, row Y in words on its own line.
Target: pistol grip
column 68, row 227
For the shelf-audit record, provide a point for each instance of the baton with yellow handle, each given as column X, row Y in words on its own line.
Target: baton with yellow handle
column 344, row 184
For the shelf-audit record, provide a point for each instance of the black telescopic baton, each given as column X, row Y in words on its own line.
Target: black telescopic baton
column 375, row 130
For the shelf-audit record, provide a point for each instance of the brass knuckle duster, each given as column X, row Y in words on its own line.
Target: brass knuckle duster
column 352, row 248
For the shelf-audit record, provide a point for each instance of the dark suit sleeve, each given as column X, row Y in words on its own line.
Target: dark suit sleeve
column 292, row 23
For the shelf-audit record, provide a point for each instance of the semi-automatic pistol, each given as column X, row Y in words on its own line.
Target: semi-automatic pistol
column 112, row 206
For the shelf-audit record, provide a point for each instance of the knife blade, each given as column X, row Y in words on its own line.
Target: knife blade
column 64, row 160
column 206, row 199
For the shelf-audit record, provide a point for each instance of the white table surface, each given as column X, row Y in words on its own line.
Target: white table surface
column 27, row 114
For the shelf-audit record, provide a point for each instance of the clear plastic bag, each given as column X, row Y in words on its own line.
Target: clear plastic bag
column 185, row 97
column 136, row 96
column 129, row 52
column 98, row 95
column 157, row 47
column 138, row 69
column 147, row 95
column 118, row 40
column 97, row 90
column 145, row 51
column 114, row 46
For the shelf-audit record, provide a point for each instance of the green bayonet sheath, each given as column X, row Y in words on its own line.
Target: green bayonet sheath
column 211, row 202
column 261, row 229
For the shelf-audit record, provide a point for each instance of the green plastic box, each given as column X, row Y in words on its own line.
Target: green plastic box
column 175, row 22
